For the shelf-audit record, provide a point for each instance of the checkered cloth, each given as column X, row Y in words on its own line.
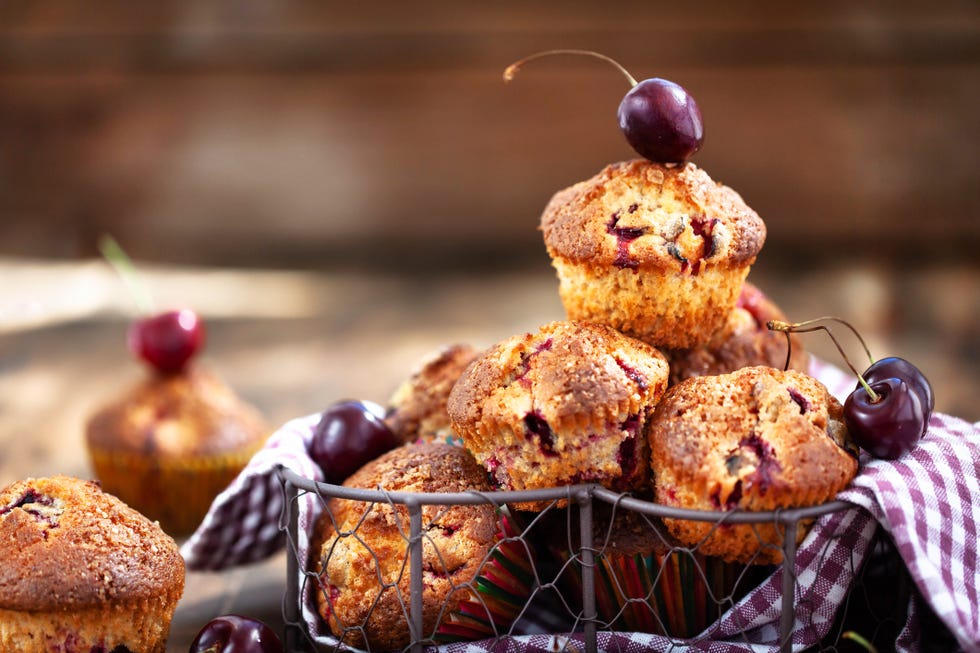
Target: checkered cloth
column 926, row 501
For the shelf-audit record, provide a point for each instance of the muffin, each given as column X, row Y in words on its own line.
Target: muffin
column 656, row 251
column 172, row 443
column 644, row 580
column 743, row 341
column 82, row 571
column 475, row 581
column 757, row 439
column 417, row 409
column 565, row 405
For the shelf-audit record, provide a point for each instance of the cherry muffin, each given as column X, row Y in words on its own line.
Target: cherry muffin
column 657, row 251
column 417, row 409
column 172, row 443
column 475, row 581
column 567, row 404
column 756, row 439
column 743, row 341
column 82, row 571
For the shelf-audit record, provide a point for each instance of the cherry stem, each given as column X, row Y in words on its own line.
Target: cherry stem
column 812, row 325
column 854, row 637
column 511, row 71
column 123, row 265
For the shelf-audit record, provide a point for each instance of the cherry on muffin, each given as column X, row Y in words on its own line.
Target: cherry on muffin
column 888, row 411
column 167, row 341
column 658, row 117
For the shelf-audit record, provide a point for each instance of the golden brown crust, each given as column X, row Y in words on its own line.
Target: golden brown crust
column 673, row 218
column 563, row 405
column 361, row 543
column 656, row 251
column 743, row 341
column 66, row 543
column 417, row 409
column 189, row 414
column 757, row 439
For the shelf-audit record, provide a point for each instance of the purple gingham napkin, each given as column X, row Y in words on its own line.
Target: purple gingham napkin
column 242, row 525
column 925, row 501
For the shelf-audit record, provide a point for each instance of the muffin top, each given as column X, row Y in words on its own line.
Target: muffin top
column 640, row 214
column 64, row 542
column 758, row 439
column 743, row 341
column 191, row 413
column 575, row 376
column 418, row 406
column 421, row 467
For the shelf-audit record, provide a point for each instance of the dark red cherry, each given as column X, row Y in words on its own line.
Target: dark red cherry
column 236, row 634
column 658, row 117
column 900, row 368
column 661, row 121
column 348, row 435
column 890, row 426
column 167, row 341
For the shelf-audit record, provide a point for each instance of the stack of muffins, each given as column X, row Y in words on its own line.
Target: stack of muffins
column 663, row 382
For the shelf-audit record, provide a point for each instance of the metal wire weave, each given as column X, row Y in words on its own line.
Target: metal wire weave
column 565, row 585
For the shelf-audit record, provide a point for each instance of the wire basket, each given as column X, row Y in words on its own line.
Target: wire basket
column 572, row 573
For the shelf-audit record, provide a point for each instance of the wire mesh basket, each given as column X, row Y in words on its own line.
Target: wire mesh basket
column 571, row 582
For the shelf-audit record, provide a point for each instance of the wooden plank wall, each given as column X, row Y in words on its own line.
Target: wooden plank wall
column 319, row 134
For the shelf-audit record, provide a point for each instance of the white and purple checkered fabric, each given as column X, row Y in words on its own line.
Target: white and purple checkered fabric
column 928, row 501
column 243, row 523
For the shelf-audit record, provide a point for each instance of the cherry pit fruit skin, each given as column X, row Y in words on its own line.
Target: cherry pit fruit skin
column 658, row 117
column 888, row 411
column 167, row 341
column 661, row 121
column 349, row 435
column 236, row 634
column 900, row 368
column 892, row 425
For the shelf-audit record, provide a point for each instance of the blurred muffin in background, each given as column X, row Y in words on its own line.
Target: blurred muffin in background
column 171, row 443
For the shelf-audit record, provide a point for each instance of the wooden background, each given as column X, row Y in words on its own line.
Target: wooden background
column 324, row 134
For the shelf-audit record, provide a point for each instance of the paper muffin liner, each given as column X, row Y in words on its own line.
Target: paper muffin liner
column 676, row 593
column 674, row 310
column 648, row 583
column 177, row 492
column 138, row 625
column 501, row 589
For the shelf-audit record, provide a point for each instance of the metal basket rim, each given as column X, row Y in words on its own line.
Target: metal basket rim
column 578, row 493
